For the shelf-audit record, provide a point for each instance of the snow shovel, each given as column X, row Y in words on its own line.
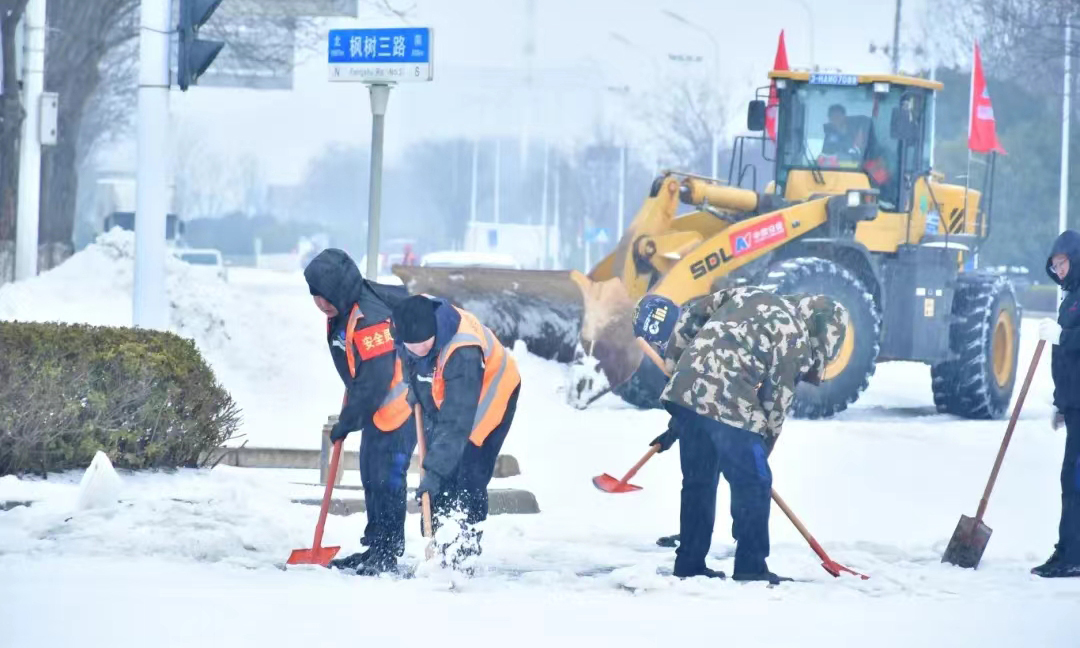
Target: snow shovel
column 609, row 484
column 318, row 554
column 968, row 542
column 425, row 500
column 829, row 564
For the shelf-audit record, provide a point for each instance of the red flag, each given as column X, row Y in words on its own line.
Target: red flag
column 982, row 132
column 774, row 101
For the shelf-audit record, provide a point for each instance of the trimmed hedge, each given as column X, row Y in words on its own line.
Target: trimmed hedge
column 146, row 398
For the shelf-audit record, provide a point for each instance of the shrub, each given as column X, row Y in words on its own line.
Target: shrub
column 146, row 398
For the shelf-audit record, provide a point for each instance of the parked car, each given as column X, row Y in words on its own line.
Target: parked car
column 204, row 259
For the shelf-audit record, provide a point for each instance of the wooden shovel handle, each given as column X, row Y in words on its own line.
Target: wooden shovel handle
column 1008, row 433
column 425, row 499
column 641, row 462
column 325, row 508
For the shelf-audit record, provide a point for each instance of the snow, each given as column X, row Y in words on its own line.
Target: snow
column 100, row 485
column 192, row 557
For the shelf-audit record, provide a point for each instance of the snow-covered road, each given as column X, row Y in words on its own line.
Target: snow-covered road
column 192, row 558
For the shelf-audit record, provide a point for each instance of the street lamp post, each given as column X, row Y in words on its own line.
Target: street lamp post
column 716, row 72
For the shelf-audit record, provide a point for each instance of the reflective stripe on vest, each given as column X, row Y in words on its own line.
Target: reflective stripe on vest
column 500, row 375
column 394, row 409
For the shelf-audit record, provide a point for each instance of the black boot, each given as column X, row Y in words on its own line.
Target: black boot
column 670, row 541
column 766, row 576
column 375, row 560
column 1056, row 567
column 703, row 571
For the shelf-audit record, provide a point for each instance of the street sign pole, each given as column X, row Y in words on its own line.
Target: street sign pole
column 379, row 58
column 380, row 95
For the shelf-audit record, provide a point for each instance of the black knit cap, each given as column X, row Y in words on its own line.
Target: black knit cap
column 414, row 319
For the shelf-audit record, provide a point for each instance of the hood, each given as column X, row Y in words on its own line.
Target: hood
column 826, row 323
column 1067, row 243
column 334, row 276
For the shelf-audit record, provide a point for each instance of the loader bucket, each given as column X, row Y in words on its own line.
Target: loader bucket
column 541, row 307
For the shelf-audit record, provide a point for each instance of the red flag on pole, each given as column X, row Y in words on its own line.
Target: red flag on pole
column 982, row 132
column 774, row 101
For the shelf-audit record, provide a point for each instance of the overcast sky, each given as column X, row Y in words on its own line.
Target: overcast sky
column 480, row 69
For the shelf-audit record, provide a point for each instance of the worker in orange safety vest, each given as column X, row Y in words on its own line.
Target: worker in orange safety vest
column 361, row 344
column 467, row 385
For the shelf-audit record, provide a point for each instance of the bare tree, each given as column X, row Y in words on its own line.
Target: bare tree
column 684, row 122
column 91, row 61
column 11, row 119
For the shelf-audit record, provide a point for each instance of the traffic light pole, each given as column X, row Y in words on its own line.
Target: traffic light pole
column 380, row 96
column 149, row 301
column 29, row 201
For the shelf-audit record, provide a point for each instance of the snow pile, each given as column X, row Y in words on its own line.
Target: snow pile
column 259, row 332
column 100, row 485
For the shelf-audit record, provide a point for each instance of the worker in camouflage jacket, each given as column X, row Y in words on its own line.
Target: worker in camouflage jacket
column 735, row 358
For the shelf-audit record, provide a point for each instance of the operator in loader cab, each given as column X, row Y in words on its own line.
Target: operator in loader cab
column 734, row 358
column 362, row 348
column 1063, row 266
column 842, row 137
column 467, row 385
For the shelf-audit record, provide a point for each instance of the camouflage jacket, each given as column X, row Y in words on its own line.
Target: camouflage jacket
column 735, row 356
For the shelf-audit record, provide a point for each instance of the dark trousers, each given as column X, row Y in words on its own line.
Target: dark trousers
column 466, row 490
column 384, row 464
column 1069, row 528
column 707, row 449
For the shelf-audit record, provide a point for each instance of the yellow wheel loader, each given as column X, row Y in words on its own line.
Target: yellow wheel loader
column 853, row 211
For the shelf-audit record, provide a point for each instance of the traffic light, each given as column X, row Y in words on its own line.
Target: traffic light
column 195, row 55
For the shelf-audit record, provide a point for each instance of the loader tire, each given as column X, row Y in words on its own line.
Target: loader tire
column 977, row 383
column 849, row 374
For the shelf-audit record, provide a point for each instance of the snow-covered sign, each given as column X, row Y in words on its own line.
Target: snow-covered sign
column 396, row 55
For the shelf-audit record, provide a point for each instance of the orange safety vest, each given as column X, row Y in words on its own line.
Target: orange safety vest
column 501, row 375
column 370, row 342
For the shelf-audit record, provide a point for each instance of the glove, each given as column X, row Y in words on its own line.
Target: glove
column 1050, row 331
column 667, row 439
column 1057, row 421
column 430, row 484
column 338, row 432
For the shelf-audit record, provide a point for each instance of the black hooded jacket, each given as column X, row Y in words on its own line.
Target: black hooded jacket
column 447, row 429
column 1065, row 361
column 334, row 276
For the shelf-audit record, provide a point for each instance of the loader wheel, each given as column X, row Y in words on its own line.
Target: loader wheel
column 978, row 381
column 849, row 373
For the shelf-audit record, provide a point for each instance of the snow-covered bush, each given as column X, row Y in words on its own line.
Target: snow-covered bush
column 146, row 398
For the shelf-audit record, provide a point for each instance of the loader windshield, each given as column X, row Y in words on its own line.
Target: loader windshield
column 843, row 126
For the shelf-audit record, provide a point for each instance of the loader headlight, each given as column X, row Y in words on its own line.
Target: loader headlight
column 854, row 199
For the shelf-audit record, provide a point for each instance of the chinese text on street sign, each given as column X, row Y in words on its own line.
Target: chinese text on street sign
column 395, row 55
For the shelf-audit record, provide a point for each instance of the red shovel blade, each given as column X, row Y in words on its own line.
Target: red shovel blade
column 317, row 556
column 835, row 568
column 609, row 484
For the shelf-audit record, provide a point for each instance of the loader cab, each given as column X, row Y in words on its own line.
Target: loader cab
column 839, row 131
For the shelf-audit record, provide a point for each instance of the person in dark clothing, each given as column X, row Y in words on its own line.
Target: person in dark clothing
column 1063, row 266
column 735, row 358
column 467, row 385
column 362, row 347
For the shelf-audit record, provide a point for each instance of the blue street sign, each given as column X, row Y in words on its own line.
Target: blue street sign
column 394, row 55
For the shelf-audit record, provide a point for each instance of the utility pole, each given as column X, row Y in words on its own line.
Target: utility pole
column 544, row 209
column 498, row 173
column 29, row 202
column 1066, row 110
column 472, row 190
column 896, row 40
column 150, row 304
